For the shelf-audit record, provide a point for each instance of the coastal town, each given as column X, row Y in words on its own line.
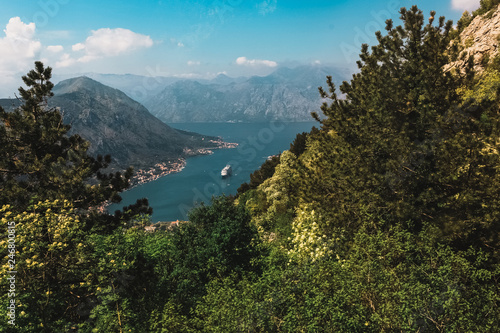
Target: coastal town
column 142, row 176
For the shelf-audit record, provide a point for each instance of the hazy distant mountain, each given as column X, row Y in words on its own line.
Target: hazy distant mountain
column 117, row 125
column 9, row 103
column 143, row 88
column 286, row 94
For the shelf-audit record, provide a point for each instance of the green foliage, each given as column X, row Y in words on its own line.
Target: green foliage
column 217, row 242
column 299, row 144
column 52, row 258
column 118, row 280
column 170, row 320
column 486, row 92
column 469, row 42
column 386, row 281
column 412, row 281
column 413, row 151
column 307, row 242
column 495, row 63
column 279, row 194
column 287, row 297
column 234, row 307
column 51, row 189
column 130, row 281
column 486, row 6
column 464, row 21
column 265, row 171
column 391, row 208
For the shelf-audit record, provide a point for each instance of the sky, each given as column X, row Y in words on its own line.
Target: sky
column 192, row 39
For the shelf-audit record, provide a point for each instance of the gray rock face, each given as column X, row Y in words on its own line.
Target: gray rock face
column 480, row 39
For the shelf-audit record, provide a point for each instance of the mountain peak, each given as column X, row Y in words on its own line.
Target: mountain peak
column 82, row 83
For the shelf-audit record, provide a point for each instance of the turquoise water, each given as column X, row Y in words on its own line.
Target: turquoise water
column 172, row 196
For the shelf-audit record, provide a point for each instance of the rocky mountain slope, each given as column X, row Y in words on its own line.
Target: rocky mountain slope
column 286, row 94
column 480, row 39
column 117, row 125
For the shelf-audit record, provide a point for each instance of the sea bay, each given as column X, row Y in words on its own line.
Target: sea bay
column 172, row 196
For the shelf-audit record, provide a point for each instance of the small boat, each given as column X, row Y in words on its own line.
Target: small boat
column 226, row 172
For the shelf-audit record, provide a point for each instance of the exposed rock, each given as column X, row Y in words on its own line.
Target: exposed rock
column 480, row 39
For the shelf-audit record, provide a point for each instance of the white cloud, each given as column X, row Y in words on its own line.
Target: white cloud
column 18, row 48
column 243, row 61
column 104, row 43
column 193, row 63
column 78, row 47
column 465, row 4
column 65, row 61
column 55, row 48
column 177, row 43
column 267, row 7
column 111, row 42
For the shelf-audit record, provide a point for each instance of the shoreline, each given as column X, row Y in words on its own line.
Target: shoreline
column 161, row 169
column 143, row 176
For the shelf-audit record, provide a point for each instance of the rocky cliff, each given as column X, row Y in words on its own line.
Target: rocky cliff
column 480, row 39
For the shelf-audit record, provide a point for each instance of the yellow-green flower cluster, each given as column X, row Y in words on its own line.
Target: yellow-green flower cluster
column 43, row 232
column 307, row 240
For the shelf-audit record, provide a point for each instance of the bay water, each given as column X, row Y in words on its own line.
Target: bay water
column 172, row 196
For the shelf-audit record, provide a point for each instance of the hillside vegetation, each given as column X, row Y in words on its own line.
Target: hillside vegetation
column 385, row 218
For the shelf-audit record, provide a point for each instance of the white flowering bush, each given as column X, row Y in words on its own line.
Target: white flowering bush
column 307, row 241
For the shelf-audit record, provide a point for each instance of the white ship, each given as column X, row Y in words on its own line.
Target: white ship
column 226, row 172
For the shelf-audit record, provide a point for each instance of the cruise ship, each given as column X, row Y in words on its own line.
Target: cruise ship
column 226, row 172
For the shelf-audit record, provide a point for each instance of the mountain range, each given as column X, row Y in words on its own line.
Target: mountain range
column 115, row 124
column 287, row 94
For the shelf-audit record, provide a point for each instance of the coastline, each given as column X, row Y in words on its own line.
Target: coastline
column 142, row 176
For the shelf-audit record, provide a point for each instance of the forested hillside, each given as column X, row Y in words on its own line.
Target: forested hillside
column 385, row 218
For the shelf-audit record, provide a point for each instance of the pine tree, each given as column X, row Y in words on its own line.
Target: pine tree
column 406, row 145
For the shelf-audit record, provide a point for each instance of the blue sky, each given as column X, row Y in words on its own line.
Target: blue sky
column 192, row 38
